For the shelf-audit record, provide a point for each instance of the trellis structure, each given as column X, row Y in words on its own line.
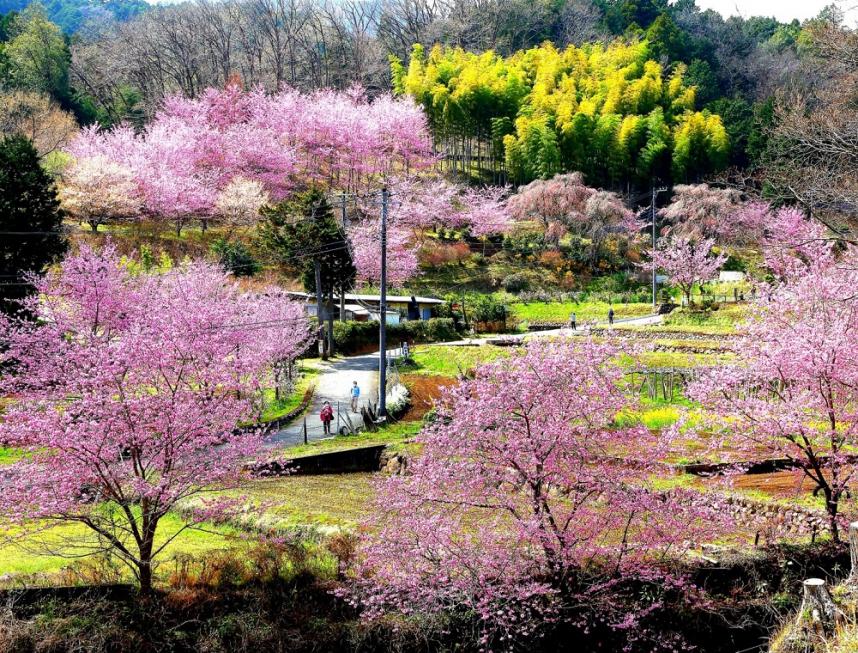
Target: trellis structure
column 661, row 382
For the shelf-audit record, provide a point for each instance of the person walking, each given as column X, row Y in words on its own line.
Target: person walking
column 355, row 394
column 327, row 416
column 573, row 321
column 611, row 316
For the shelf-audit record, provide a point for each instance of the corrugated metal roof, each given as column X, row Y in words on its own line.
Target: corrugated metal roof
column 398, row 299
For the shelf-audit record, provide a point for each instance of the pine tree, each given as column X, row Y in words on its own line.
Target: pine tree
column 304, row 229
column 30, row 219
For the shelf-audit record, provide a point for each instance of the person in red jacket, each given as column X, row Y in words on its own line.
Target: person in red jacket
column 327, row 416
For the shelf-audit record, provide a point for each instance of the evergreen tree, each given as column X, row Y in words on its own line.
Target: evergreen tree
column 302, row 233
column 30, row 217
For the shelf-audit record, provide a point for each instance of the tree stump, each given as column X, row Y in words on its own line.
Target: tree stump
column 818, row 613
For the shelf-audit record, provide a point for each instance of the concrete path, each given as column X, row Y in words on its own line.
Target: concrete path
column 583, row 329
column 333, row 383
column 335, row 379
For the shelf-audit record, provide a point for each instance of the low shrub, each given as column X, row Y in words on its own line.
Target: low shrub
column 445, row 254
column 485, row 308
column 354, row 337
column 515, row 283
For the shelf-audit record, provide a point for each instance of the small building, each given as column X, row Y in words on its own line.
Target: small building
column 731, row 276
column 362, row 308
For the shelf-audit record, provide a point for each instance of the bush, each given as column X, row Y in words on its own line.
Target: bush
column 236, row 258
column 515, row 283
column 353, row 337
column 445, row 254
column 485, row 308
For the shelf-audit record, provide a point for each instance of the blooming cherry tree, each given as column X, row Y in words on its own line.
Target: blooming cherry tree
column 222, row 154
column 128, row 391
column 567, row 200
column 687, row 262
column 793, row 390
column 520, row 487
column 96, row 190
column 700, row 211
column 239, row 203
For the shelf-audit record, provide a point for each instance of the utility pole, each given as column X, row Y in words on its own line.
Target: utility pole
column 382, row 317
column 342, row 288
column 323, row 343
column 655, row 192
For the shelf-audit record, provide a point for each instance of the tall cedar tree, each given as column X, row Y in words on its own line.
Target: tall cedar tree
column 303, row 231
column 30, row 212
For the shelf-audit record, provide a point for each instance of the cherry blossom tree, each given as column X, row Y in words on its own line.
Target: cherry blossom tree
column 793, row 389
column 567, row 200
column 519, row 490
column 565, row 204
column 687, row 262
column 239, row 203
column 214, row 155
column 96, row 190
column 416, row 206
column 701, row 211
column 128, row 391
column 793, row 244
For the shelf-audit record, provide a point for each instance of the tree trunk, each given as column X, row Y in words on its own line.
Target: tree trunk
column 832, row 506
column 145, row 572
column 853, row 553
column 93, row 224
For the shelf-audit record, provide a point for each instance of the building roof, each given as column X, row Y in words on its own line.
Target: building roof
column 397, row 299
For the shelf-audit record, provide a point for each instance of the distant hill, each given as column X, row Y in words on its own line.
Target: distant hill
column 71, row 14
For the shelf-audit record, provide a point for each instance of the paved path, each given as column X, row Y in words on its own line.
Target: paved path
column 335, row 378
column 646, row 320
column 333, row 384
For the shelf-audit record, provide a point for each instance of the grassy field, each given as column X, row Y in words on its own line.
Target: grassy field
column 678, row 359
column 726, row 320
column 52, row 550
column 324, row 502
column 584, row 311
column 451, row 361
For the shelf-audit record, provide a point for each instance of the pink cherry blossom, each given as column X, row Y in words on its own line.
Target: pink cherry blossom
column 128, row 392
column 793, row 390
column 687, row 262
column 524, row 482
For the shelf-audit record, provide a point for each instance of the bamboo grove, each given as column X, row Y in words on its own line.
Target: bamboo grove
column 609, row 111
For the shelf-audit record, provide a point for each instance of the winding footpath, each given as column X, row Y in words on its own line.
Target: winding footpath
column 335, row 379
column 333, row 384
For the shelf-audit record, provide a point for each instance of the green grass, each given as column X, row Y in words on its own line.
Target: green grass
column 726, row 320
column 275, row 409
column 9, row 455
column 679, row 359
column 584, row 311
column 451, row 361
column 656, row 417
column 324, row 502
column 395, row 436
column 49, row 551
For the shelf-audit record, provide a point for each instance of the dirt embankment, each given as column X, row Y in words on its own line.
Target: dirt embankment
column 425, row 390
